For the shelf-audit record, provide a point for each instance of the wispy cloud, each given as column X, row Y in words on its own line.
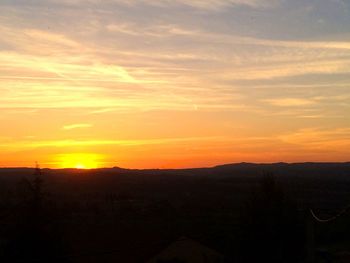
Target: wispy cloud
column 207, row 5
column 290, row 102
column 134, row 142
column 329, row 140
column 76, row 126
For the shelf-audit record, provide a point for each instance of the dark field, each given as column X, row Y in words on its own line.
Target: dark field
column 245, row 212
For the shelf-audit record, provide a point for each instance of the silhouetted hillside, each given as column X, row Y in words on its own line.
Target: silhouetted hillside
column 105, row 215
column 237, row 169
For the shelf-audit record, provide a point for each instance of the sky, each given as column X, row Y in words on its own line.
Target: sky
column 173, row 83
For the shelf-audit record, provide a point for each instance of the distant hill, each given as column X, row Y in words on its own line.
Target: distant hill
column 222, row 171
column 296, row 169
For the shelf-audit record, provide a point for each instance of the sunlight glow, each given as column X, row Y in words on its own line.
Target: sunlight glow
column 79, row 160
column 80, row 166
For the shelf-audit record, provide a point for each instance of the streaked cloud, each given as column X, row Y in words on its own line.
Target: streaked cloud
column 328, row 140
column 290, row 102
column 77, row 126
column 207, row 5
column 72, row 143
column 210, row 4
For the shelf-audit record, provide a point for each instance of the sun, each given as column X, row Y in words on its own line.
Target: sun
column 79, row 160
column 80, row 166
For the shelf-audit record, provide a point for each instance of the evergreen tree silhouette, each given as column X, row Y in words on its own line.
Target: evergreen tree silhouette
column 33, row 237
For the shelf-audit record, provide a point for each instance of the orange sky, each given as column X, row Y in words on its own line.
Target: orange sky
column 180, row 83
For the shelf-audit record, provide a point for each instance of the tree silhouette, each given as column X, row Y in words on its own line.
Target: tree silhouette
column 33, row 237
column 270, row 225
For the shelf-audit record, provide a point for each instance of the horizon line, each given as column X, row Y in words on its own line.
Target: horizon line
column 184, row 168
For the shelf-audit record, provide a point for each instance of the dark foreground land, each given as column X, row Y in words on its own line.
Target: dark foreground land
column 243, row 212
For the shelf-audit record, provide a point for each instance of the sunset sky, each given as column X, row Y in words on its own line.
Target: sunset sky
column 173, row 83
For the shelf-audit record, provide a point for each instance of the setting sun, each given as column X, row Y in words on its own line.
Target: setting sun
column 80, row 166
column 79, row 160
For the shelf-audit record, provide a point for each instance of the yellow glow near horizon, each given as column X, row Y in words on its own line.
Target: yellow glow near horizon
column 80, row 166
column 79, row 161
